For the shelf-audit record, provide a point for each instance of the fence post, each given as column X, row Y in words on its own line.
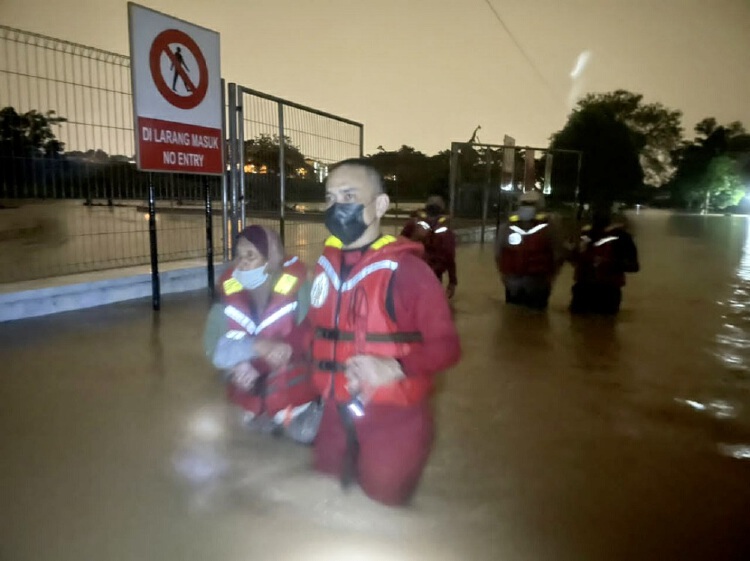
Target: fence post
column 155, row 286
column 224, row 176
column 209, row 237
column 233, row 162
column 486, row 191
column 453, row 177
column 282, row 174
column 241, row 161
column 225, row 216
column 579, row 204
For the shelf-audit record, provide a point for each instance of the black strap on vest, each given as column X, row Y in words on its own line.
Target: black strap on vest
column 399, row 337
column 331, row 366
column 333, row 334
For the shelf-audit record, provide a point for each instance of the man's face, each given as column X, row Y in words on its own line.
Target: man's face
column 352, row 185
column 248, row 256
column 526, row 211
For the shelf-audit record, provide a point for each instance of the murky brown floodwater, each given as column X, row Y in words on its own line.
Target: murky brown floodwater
column 47, row 239
column 560, row 438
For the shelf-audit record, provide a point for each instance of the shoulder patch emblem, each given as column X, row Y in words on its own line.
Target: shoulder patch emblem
column 319, row 290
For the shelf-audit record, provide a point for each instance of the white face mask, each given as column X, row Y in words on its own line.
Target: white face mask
column 252, row 278
column 527, row 212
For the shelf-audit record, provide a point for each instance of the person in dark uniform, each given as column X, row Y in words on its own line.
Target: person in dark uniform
column 529, row 252
column 605, row 253
column 431, row 227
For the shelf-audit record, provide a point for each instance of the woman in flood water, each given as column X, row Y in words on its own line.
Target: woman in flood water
column 259, row 335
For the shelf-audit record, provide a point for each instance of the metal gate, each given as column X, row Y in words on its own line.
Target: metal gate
column 279, row 154
column 486, row 179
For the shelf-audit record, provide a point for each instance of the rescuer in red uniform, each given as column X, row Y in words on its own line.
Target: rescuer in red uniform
column 261, row 335
column 382, row 332
column 605, row 253
column 431, row 227
column 529, row 253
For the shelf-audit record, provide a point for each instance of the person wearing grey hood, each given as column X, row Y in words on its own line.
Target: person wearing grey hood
column 529, row 253
column 260, row 337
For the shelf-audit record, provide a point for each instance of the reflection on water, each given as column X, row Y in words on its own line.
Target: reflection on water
column 732, row 349
column 732, row 342
column 118, row 445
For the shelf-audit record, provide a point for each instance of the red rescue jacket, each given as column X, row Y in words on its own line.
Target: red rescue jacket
column 598, row 260
column 289, row 386
column 527, row 252
column 434, row 232
column 350, row 317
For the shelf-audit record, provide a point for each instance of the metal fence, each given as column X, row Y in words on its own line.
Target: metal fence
column 72, row 200
column 280, row 152
column 486, row 179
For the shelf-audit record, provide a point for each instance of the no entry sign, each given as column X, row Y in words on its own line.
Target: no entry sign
column 177, row 97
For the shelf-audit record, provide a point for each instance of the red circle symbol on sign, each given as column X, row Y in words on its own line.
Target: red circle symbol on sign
column 161, row 45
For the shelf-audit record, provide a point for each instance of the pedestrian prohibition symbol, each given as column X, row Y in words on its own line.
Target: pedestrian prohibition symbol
column 162, row 45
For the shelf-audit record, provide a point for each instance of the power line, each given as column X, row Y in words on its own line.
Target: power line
column 522, row 50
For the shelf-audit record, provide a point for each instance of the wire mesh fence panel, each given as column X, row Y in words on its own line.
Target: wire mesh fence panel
column 260, row 164
column 287, row 151
column 487, row 183
column 71, row 198
column 314, row 143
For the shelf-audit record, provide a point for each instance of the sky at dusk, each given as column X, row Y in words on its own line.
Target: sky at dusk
column 426, row 72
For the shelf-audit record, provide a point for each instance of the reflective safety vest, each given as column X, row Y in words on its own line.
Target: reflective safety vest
column 350, row 317
column 432, row 224
column 431, row 233
column 286, row 387
column 526, row 252
column 597, row 258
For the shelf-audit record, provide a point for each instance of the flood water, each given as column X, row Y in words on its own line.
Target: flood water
column 559, row 438
column 40, row 240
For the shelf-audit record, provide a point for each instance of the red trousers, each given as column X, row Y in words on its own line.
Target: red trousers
column 394, row 446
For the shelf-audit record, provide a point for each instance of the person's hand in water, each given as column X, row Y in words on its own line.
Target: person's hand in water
column 244, row 375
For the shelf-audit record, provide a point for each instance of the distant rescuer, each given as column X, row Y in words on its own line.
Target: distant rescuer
column 382, row 331
column 529, row 253
column 605, row 253
column 431, row 227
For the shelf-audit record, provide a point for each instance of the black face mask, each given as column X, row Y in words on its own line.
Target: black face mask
column 433, row 210
column 346, row 221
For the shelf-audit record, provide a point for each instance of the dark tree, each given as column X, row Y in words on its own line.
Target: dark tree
column 30, row 134
column 659, row 128
column 714, row 168
column 610, row 169
column 262, row 152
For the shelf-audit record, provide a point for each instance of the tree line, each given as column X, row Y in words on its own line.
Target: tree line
column 633, row 151
column 637, row 152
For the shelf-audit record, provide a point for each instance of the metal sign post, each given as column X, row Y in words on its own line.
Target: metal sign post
column 175, row 68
